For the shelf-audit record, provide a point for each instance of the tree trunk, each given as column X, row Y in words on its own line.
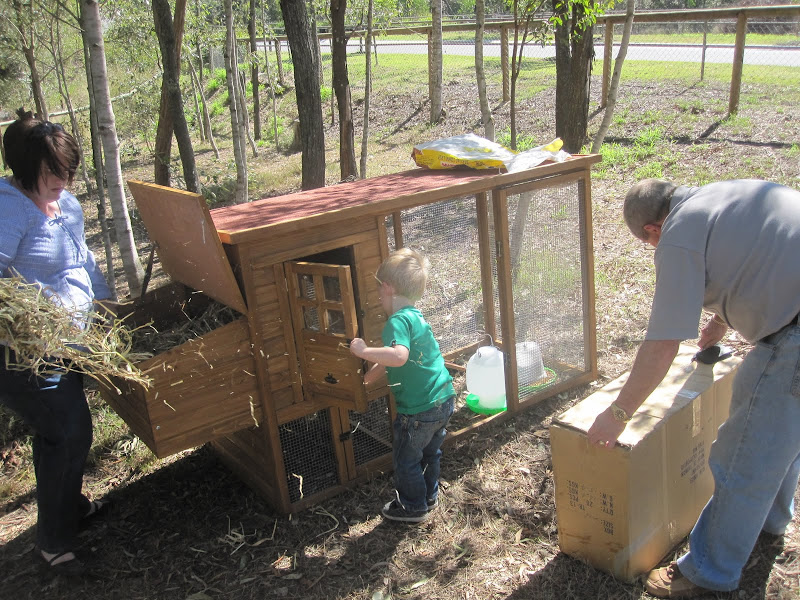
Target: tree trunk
column 315, row 38
column 24, row 27
column 574, row 53
column 269, row 77
column 520, row 26
column 237, row 119
column 99, row 169
column 197, row 93
column 204, row 106
column 367, row 92
column 251, row 30
column 165, row 113
column 341, row 85
column 630, row 9
column 240, row 89
column 199, row 48
column 93, row 38
column 435, row 62
column 309, row 106
column 279, row 62
column 61, row 76
column 171, row 90
column 480, row 75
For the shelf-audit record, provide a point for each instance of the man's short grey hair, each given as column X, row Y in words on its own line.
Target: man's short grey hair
column 647, row 202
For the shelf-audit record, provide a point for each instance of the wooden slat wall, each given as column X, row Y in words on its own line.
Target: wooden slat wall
column 269, row 304
column 368, row 257
column 294, row 246
column 247, row 454
column 131, row 406
column 200, row 390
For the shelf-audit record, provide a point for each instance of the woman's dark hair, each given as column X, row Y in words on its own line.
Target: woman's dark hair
column 31, row 144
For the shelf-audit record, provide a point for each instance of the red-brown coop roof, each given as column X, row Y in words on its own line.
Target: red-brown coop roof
column 244, row 222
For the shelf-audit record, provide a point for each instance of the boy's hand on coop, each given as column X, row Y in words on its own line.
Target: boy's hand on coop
column 357, row 347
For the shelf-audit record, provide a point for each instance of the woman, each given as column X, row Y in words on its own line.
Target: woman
column 42, row 240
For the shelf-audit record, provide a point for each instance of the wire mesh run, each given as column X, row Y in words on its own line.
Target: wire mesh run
column 447, row 233
column 371, row 431
column 546, row 242
column 308, row 455
column 547, row 248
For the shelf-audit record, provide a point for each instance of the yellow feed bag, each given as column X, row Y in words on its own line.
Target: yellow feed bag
column 467, row 150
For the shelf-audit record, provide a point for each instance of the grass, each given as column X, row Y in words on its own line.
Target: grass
column 547, row 273
column 648, row 155
column 726, row 39
column 788, row 78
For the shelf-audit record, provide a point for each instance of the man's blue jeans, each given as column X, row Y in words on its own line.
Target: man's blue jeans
column 416, row 452
column 755, row 462
column 55, row 408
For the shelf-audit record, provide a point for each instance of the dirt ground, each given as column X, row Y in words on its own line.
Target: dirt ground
column 187, row 528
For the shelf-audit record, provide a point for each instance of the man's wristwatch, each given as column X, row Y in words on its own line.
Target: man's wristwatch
column 619, row 413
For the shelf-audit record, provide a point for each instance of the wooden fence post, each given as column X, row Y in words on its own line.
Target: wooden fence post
column 504, row 63
column 608, row 52
column 738, row 61
column 705, row 46
column 430, row 65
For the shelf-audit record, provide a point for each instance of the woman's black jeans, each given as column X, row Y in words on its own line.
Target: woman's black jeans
column 55, row 409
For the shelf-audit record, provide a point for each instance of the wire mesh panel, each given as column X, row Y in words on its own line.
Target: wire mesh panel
column 547, row 248
column 308, row 455
column 447, row 233
column 371, row 431
column 546, row 241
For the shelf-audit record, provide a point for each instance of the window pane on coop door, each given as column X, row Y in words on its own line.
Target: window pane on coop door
column 333, row 289
column 336, row 323
column 305, row 285
column 311, row 318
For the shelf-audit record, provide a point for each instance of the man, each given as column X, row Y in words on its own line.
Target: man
column 733, row 248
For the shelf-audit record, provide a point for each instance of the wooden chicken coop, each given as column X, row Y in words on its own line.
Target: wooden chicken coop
column 276, row 391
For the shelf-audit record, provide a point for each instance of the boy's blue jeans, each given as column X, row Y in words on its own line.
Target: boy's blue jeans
column 755, row 462
column 416, row 452
column 55, row 408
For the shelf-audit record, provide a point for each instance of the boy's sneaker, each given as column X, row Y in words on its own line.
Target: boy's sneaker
column 433, row 504
column 394, row 511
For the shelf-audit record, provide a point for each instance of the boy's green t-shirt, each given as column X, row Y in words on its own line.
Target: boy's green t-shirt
column 423, row 382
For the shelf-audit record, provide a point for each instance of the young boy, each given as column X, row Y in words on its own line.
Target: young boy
column 422, row 387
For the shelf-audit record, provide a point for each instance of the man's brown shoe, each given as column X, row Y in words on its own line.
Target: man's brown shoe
column 668, row 582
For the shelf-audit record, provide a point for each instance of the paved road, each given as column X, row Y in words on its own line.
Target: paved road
column 753, row 55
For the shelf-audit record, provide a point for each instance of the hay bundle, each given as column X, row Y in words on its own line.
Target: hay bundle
column 40, row 335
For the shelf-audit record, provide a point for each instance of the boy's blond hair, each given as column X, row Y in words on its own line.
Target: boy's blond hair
column 406, row 270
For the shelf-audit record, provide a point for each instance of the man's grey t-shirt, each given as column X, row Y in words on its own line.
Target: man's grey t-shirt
column 732, row 247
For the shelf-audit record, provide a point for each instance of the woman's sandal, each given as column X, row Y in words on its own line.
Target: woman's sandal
column 69, row 567
column 97, row 508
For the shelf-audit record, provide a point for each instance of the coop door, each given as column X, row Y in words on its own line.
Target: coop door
column 324, row 320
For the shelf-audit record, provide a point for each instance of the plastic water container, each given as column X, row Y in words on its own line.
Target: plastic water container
column 530, row 367
column 486, row 378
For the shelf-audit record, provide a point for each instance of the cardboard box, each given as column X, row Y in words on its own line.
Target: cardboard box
column 623, row 509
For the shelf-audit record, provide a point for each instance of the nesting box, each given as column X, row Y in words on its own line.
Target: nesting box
column 277, row 391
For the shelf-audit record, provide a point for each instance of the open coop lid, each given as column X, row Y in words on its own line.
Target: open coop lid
column 187, row 243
